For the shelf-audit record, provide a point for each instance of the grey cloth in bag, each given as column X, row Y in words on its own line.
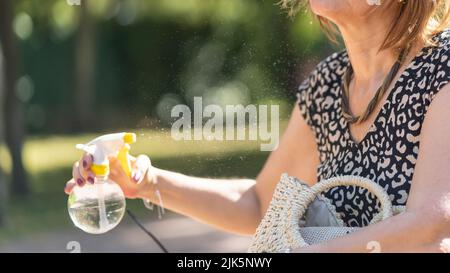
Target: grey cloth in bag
column 320, row 218
column 320, row 215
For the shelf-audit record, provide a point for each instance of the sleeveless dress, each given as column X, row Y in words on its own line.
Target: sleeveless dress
column 388, row 152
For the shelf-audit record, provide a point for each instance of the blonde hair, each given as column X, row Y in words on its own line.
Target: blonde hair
column 414, row 19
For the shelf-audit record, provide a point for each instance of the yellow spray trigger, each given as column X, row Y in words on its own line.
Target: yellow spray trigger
column 122, row 156
column 129, row 138
column 100, row 169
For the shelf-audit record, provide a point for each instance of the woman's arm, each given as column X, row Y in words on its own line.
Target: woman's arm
column 235, row 205
column 426, row 223
column 238, row 205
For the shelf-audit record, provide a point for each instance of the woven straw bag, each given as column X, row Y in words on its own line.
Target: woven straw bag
column 281, row 230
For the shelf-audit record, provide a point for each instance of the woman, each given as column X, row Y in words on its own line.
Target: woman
column 363, row 111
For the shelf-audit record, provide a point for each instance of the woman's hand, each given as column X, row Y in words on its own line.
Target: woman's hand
column 141, row 180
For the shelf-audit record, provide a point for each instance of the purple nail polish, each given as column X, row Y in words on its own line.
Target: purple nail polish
column 84, row 164
column 90, row 179
column 80, row 182
column 137, row 177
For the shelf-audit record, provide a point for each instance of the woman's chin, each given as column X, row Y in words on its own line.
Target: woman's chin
column 330, row 9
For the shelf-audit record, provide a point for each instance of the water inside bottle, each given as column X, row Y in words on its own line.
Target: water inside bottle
column 85, row 207
column 86, row 215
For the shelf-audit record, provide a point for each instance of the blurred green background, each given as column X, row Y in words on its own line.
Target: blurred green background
column 72, row 72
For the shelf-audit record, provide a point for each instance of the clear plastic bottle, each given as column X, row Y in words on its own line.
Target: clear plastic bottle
column 97, row 208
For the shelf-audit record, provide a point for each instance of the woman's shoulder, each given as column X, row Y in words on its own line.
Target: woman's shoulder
column 433, row 68
column 442, row 39
column 438, row 52
column 426, row 75
column 319, row 86
column 334, row 61
column 326, row 72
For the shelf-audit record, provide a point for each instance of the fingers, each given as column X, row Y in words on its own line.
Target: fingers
column 81, row 171
column 116, row 172
column 140, row 167
column 90, row 177
column 69, row 186
column 85, row 164
column 77, row 176
column 82, row 174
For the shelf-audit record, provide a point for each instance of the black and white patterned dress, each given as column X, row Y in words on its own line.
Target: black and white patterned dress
column 388, row 152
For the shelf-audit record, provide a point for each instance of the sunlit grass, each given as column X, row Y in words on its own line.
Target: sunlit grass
column 53, row 152
column 43, row 154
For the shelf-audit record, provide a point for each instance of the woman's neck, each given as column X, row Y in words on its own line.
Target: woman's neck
column 363, row 41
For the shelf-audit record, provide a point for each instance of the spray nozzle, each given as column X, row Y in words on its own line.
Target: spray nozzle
column 101, row 148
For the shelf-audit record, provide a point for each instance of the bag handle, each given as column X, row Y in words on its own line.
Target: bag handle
column 307, row 196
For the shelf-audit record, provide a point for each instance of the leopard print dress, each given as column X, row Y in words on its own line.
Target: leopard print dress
column 388, row 152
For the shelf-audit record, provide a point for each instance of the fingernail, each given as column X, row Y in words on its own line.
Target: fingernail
column 80, row 182
column 90, row 179
column 84, row 164
column 137, row 176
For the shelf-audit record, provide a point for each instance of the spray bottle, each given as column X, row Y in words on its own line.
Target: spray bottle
column 99, row 207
